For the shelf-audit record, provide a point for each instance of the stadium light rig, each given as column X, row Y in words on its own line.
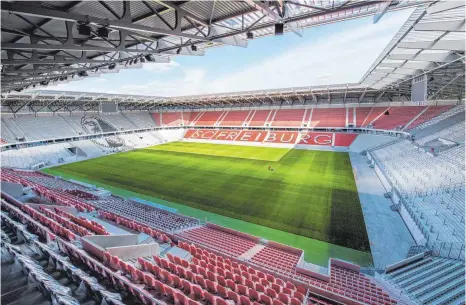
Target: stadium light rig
column 103, row 32
column 84, row 29
column 279, row 29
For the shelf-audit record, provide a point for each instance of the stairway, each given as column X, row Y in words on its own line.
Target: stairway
column 251, row 252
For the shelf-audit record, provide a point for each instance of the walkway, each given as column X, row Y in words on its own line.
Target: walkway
column 389, row 237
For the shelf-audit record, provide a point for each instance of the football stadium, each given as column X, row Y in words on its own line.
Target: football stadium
column 268, row 186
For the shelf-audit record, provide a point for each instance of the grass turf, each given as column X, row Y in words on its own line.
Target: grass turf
column 309, row 193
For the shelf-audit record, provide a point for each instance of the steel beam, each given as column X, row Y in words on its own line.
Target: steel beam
column 86, row 19
column 62, row 47
column 72, row 61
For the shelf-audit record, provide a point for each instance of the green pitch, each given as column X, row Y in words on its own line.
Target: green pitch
column 308, row 193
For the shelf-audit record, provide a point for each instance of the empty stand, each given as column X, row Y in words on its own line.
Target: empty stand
column 289, row 117
column 432, row 186
column 259, row 117
column 208, row 118
column 146, row 214
column 277, row 259
column 194, row 117
column 157, row 117
column 219, row 240
column 362, row 115
column 235, row 118
column 140, row 119
column 207, row 277
column 329, row 117
column 431, row 280
column 373, row 114
column 429, row 114
column 172, row 119
column 397, row 117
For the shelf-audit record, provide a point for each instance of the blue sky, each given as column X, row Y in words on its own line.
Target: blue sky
column 331, row 54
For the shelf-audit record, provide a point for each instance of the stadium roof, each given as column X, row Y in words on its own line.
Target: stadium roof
column 54, row 41
column 430, row 43
column 53, row 101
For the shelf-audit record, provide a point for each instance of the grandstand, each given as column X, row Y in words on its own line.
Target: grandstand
column 325, row 195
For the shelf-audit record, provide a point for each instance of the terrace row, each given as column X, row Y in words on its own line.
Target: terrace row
column 377, row 117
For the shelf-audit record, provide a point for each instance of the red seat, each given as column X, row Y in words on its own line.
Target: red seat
column 234, row 297
column 271, row 293
column 243, row 290
column 277, row 288
column 200, row 280
column 295, row 301
column 231, row 284
column 211, row 276
column 176, row 281
column 260, row 288
column 245, row 300
column 222, row 291
column 222, row 302
column 198, row 292
column 186, row 286
column 266, row 299
column 159, row 286
column 299, row 296
column 211, row 286
column 180, row 298
column 253, row 294
column 210, row 298
column 221, row 280
column 284, row 298
column 250, row 284
column 169, row 292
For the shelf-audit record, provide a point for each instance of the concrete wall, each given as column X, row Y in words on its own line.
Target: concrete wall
column 405, row 262
column 366, row 141
column 12, row 189
column 345, row 264
column 412, row 226
column 106, row 241
column 123, row 246
column 127, row 252
column 382, row 178
column 234, row 232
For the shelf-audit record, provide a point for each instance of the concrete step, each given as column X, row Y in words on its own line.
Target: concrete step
column 251, row 252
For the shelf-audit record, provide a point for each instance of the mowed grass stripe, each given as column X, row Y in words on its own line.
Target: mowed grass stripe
column 309, row 193
column 248, row 152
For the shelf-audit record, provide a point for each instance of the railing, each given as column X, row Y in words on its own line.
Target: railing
column 73, row 138
column 442, row 249
column 447, row 250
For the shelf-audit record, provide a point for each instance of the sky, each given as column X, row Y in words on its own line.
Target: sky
column 330, row 54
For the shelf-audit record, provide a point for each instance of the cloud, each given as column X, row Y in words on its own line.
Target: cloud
column 191, row 82
column 340, row 58
column 160, row 67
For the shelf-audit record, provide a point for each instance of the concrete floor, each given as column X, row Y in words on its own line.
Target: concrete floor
column 389, row 237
